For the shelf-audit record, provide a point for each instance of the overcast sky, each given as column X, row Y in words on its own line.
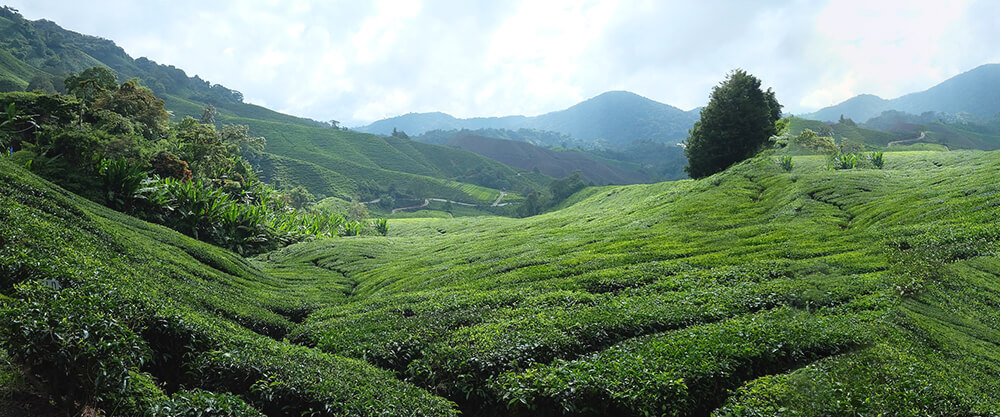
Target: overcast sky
column 360, row 61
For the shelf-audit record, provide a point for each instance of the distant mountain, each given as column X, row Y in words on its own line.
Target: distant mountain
column 976, row 92
column 557, row 164
column 615, row 118
column 543, row 138
column 327, row 161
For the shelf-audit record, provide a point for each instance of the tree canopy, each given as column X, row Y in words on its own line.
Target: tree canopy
column 738, row 121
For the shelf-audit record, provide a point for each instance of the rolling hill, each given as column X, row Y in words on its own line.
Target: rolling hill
column 614, row 118
column 815, row 292
column 976, row 92
column 556, row 164
column 327, row 161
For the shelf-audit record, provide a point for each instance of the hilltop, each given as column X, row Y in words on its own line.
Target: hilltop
column 614, row 118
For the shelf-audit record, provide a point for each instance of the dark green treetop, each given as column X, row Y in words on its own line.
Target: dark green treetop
column 92, row 83
column 737, row 123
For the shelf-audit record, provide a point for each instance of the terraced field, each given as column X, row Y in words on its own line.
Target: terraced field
column 752, row 292
column 817, row 291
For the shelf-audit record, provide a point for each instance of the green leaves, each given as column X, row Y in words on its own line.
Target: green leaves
column 857, row 160
column 72, row 339
column 121, row 180
column 201, row 403
column 785, row 162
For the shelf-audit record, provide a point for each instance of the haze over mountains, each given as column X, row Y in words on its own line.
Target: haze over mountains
column 976, row 92
column 615, row 118
column 341, row 163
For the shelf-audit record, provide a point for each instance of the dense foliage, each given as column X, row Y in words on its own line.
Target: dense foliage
column 738, row 122
column 114, row 143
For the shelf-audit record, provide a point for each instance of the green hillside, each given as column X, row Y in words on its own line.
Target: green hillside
column 136, row 311
column 846, row 130
column 335, row 162
column 815, row 291
column 819, row 292
column 557, row 164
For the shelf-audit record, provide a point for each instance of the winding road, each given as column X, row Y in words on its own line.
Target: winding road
column 904, row 141
column 428, row 200
column 397, row 210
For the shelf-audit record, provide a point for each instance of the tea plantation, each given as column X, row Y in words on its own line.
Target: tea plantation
column 753, row 292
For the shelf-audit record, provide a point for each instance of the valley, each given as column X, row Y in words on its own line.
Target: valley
column 864, row 279
column 169, row 250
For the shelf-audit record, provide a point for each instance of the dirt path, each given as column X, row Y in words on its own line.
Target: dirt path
column 397, row 210
column 904, row 141
column 441, row 200
column 428, row 200
column 500, row 197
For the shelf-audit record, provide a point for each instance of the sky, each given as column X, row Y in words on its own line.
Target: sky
column 364, row 60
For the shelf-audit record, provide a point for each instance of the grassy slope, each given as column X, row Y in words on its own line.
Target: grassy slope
column 821, row 292
column 341, row 162
column 212, row 319
column 854, row 134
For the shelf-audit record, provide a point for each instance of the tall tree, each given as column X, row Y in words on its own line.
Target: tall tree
column 92, row 83
column 738, row 121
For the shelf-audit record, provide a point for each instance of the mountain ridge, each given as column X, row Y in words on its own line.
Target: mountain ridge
column 614, row 118
column 340, row 163
column 556, row 164
column 976, row 92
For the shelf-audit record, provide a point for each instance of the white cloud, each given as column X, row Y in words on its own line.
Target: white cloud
column 360, row 61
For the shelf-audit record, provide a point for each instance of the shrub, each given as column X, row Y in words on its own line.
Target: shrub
column 812, row 141
column 349, row 229
column 72, row 340
column 201, row 403
column 876, row 159
column 381, row 226
column 785, row 162
column 137, row 398
column 845, row 161
column 121, row 181
column 168, row 165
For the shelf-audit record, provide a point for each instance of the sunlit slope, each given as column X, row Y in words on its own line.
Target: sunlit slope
column 204, row 317
column 752, row 292
column 346, row 164
column 370, row 165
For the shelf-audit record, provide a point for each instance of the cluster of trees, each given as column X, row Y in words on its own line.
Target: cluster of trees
column 535, row 201
column 114, row 143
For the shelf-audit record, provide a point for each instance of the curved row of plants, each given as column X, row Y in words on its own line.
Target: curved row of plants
column 668, row 299
column 104, row 314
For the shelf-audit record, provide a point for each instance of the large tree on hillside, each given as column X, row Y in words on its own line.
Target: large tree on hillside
column 737, row 123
